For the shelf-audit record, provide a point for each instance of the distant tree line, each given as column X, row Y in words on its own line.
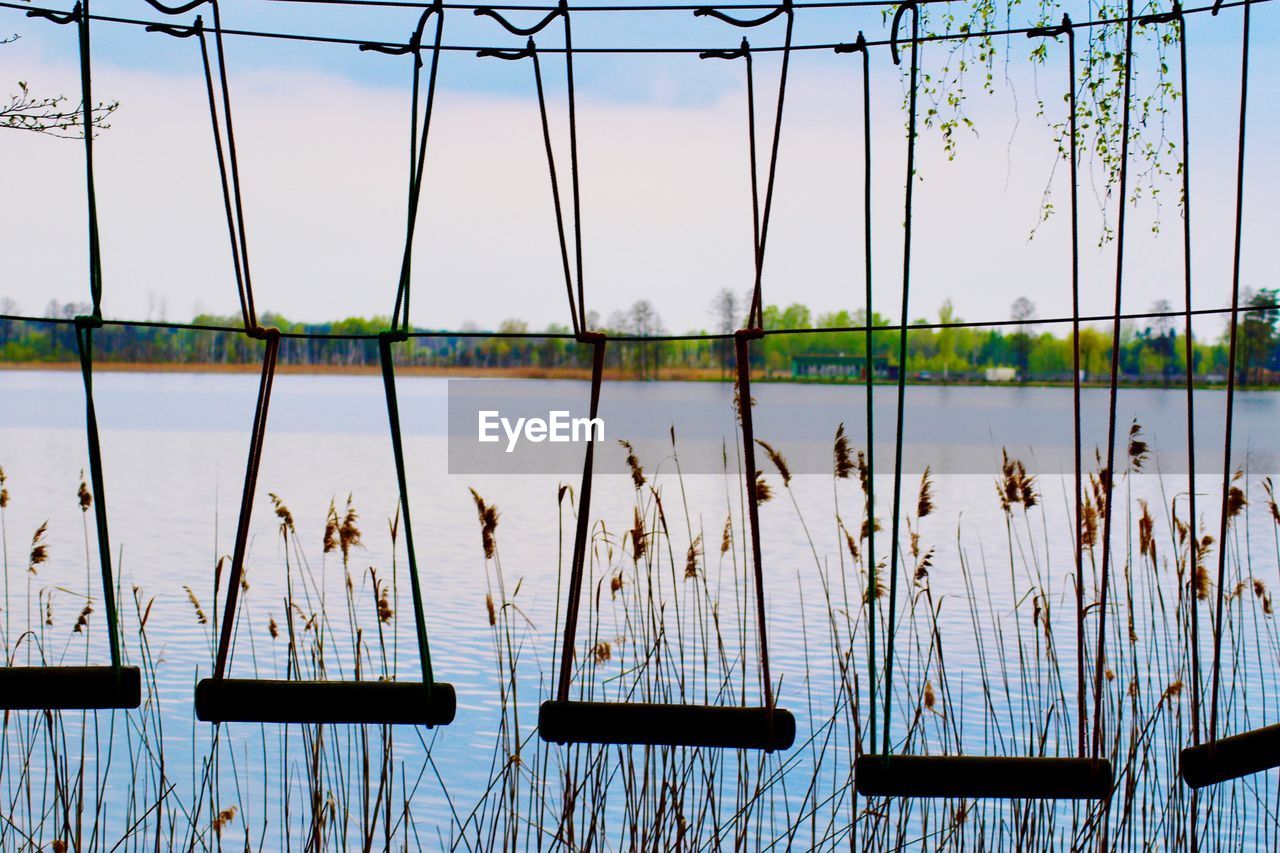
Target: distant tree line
column 1153, row 351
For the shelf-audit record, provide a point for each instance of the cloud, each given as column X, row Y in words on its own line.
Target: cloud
column 666, row 203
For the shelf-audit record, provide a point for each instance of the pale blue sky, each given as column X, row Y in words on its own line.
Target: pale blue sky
column 666, row 211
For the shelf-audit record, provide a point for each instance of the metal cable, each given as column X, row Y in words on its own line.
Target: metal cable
column 607, row 50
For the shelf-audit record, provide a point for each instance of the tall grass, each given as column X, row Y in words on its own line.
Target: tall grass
column 986, row 664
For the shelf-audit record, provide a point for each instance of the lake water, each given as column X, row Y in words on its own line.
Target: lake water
column 174, row 448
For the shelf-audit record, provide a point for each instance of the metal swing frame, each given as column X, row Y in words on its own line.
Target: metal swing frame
column 83, row 687
column 429, row 703
column 975, row 776
column 1221, row 759
column 563, row 720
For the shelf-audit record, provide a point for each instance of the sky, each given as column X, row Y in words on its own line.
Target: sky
column 322, row 134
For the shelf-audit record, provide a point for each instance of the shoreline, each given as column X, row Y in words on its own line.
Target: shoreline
column 671, row 374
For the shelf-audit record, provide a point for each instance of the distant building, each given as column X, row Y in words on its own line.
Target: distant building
column 839, row 367
column 1001, row 374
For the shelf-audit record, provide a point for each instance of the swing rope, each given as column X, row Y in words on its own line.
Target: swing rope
column 1191, row 370
column 860, row 46
column 1110, row 478
column 257, row 434
column 578, row 322
column 577, row 568
column 902, row 348
column 84, row 345
column 755, row 315
column 577, row 309
column 1067, row 28
column 397, row 445
column 759, row 219
column 1232, row 348
column 417, row 145
column 398, row 333
column 1176, row 16
column 229, row 177
column 84, row 326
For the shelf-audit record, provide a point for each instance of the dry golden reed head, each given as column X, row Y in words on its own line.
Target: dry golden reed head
column 272, row 628
column 82, row 621
column 348, row 532
column 691, row 557
column 923, row 566
column 282, row 513
column 84, row 495
column 843, row 458
column 633, row 463
column 385, row 612
column 1236, row 500
column 638, row 536
column 1146, row 532
column 39, row 548
column 223, row 819
column 875, row 586
column 763, row 493
column 602, row 652
column 331, row 523
column 778, row 462
column 488, row 517
column 1266, row 486
column 4, row 492
column 1138, row 449
column 851, row 544
column 1200, row 579
column 195, row 603
column 924, row 500
column 1089, row 524
column 489, row 608
column 1015, row 485
column 863, row 464
column 726, row 537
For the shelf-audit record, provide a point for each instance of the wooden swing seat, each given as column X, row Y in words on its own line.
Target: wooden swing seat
column 251, row 700
column 651, row 724
column 980, row 776
column 69, row 688
column 1231, row 757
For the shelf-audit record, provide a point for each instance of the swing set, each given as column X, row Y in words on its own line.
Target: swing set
column 1210, row 759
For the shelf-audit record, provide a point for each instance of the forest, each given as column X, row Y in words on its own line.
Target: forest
column 945, row 349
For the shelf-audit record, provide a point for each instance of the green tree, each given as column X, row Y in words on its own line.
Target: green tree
column 1258, row 335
